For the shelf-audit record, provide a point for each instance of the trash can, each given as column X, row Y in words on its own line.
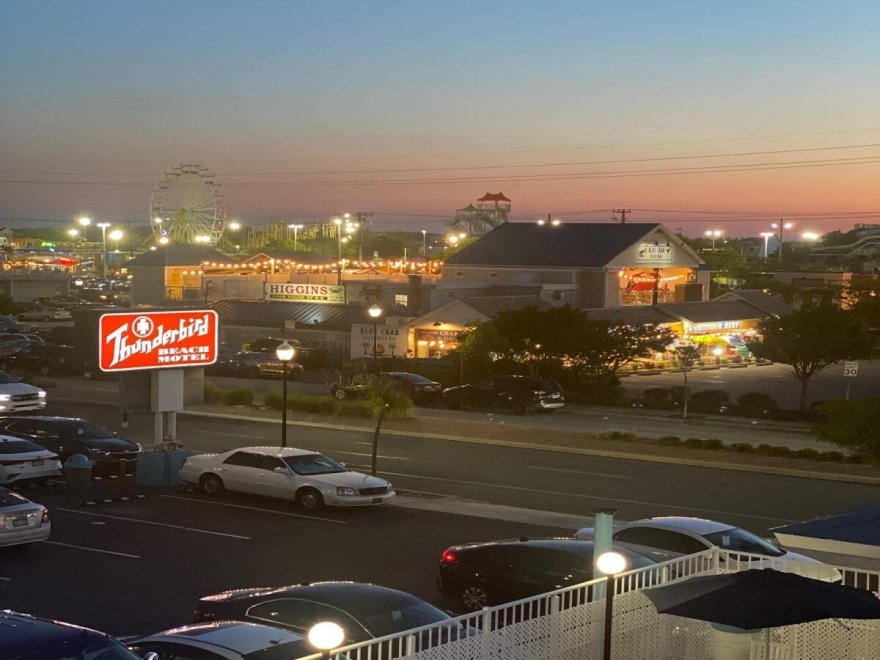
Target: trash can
column 78, row 472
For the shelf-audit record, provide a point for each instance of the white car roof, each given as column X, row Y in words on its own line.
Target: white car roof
column 280, row 452
column 238, row 636
column 699, row 526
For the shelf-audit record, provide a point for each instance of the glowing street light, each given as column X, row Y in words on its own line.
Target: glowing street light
column 234, row 226
column 73, row 233
column 713, row 234
column 610, row 563
column 284, row 353
column 164, row 240
column 295, row 229
column 103, row 226
column 375, row 312
column 84, row 222
column 326, row 636
column 116, row 236
column 810, row 236
column 766, row 236
column 425, row 243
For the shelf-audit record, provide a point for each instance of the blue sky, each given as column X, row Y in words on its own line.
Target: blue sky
column 279, row 92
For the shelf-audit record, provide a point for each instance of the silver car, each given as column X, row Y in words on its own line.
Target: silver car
column 229, row 640
column 22, row 521
column 671, row 537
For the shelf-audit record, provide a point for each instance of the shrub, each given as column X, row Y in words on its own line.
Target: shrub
column 626, row 436
column 598, row 390
column 742, row 447
column 713, row 443
column 806, row 453
column 756, row 404
column 660, row 394
column 695, row 443
column 273, row 400
column 242, row 396
column 708, row 401
column 669, row 440
column 319, row 405
column 352, row 408
column 213, row 394
column 833, row 456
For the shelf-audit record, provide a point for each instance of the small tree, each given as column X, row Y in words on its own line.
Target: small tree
column 688, row 356
column 809, row 340
column 851, row 424
column 385, row 399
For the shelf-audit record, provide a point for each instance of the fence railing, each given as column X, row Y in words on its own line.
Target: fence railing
column 568, row 623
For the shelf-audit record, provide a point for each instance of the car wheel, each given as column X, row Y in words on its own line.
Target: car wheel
column 309, row 499
column 519, row 407
column 211, row 484
column 454, row 403
column 340, row 393
column 474, row 597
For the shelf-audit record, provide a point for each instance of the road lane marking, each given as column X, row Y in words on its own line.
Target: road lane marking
column 157, row 524
column 254, row 508
column 5, row 579
column 587, row 497
column 591, row 474
column 393, row 458
column 84, row 547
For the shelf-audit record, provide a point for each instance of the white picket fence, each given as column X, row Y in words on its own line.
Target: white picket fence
column 568, row 624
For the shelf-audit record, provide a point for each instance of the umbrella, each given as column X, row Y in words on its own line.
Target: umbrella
column 763, row 598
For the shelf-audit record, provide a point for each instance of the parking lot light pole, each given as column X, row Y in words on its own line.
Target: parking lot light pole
column 285, row 353
column 375, row 312
column 103, row 226
column 610, row 563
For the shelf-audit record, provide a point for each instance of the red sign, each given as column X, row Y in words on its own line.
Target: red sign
column 157, row 340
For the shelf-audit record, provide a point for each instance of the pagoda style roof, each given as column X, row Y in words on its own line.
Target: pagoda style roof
column 493, row 197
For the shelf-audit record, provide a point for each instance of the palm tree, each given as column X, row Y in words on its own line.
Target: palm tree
column 385, row 399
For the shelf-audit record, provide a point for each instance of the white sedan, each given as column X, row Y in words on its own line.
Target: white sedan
column 22, row 521
column 671, row 537
column 310, row 479
column 21, row 460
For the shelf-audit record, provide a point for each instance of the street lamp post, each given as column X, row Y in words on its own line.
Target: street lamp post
column 781, row 226
column 295, row 229
column 766, row 236
column 713, row 234
column 103, row 226
column 610, row 563
column 85, row 222
column 284, row 353
column 375, row 312
column 425, row 244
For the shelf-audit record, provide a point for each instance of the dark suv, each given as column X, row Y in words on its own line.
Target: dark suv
column 481, row 574
column 518, row 394
column 70, row 435
column 26, row 637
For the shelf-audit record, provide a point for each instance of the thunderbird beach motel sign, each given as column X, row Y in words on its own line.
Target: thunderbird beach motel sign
column 157, row 340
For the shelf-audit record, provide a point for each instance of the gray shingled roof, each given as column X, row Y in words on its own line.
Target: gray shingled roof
column 491, row 306
column 569, row 245
column 635, row 315
column 274, row 314
column 300, row 256
column 178, row 254
column 773, row 305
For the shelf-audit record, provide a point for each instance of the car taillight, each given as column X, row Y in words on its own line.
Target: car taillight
column 45, row 518
column 448, row 557
column 11, row 462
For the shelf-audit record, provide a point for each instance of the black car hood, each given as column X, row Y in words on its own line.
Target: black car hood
column 107, row 444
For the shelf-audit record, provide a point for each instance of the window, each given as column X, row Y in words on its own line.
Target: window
column 270, row 463
column 459, row 273
column 662, row 539
column 244, row 459
column 401, row 299
column 313, row 464
column 18, row 446
column 301, row 614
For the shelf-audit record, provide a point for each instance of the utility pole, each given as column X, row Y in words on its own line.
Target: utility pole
column 362, row 227
column 622, row 215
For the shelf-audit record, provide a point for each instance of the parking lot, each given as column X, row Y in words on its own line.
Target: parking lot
column 139, row 564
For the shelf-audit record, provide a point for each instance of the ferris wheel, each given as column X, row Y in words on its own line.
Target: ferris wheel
column 188, row 206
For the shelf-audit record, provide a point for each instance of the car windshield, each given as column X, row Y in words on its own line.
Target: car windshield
column 390, row 621
column 739, row 540
column 313, row 464
column 89, row 431
column 415, row 379
column 548, row 385
column 6, row 379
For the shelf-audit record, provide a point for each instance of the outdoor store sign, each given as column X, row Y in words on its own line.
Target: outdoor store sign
column 389, row 341
column 654, row 252
column 157, row 340
column 315, row 293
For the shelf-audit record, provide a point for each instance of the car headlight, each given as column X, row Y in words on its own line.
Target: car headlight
column 5, row 397
column 41, row 394
column 346, row 492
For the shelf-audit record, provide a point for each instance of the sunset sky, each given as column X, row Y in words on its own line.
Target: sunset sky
column 410, row 109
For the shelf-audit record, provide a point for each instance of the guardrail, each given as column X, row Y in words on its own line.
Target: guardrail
column 568, row 623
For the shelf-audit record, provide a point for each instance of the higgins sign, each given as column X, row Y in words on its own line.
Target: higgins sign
column 157, row 340
column 315, row 293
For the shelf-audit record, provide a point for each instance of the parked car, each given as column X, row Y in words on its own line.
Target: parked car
column 418, row 388
column 254, row 364
column 357, row 385
column 310, row 479
column 364, row 611
column 9, row 323
column 23, row 521
column 518, row 394
column 481, row 574
column 26, row 637
column 23, row 460
column 45, row 314
column 8, row 337
column 44, row 358
column 666, row 538
column 230, row 640
column 16, row 397
column 70, row 435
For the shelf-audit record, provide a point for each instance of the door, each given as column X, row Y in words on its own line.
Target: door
column 239, row 472
column 271, row 483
